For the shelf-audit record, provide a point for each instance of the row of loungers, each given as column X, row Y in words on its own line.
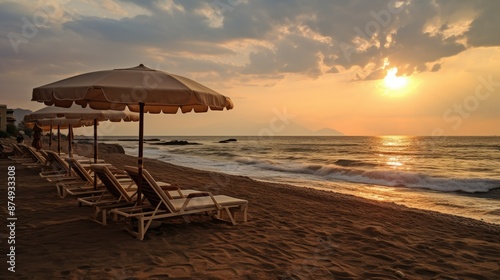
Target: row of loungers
column 115, row 192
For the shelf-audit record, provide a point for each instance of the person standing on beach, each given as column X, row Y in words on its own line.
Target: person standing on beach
column 37, row 137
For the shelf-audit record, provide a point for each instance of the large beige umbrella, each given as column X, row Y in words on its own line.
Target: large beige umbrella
column 140, row 88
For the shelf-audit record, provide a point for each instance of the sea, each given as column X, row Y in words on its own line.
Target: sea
column 453, row 175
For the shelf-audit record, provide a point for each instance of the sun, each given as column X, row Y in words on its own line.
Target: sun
column 394, row 82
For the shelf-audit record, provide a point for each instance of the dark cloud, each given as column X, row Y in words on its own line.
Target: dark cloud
column 436, row 67
column 484, row 28
column 376, row 75
column 366, row 33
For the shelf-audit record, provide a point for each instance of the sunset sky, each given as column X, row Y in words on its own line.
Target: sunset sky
column 372, row 67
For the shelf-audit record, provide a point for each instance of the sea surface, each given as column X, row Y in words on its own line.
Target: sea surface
column 454, row 175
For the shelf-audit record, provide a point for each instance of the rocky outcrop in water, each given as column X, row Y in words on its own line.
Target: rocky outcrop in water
column 176, row 142
column 228, row 140
column 111, row 148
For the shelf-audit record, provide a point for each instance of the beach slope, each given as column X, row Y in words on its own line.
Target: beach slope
column 292, row 233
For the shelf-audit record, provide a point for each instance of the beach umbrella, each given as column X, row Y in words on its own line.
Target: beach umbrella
column 140, row 88
column 74, row 114
column 78, row 113
column 61, row 123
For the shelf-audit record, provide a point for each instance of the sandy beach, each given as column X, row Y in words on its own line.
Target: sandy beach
column 292, row 233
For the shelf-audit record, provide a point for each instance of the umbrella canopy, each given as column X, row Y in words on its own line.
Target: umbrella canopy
column 77, row 112
column 63, row 123
column 140, row 88
column 75, row 116
column 115, row 89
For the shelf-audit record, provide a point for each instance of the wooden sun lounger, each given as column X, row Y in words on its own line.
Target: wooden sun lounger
column 83, row 185
column 18, row 152
column 54, row 167
column 162, row 205
column 61, row 170
column 119, row 192
column 27, row 156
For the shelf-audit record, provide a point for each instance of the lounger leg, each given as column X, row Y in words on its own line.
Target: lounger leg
column 245, row 214
column 129, row 226
column 230, row 215
column 96, row 215
column 104, row 217
column 144, row 228
column 63, row 192
column 59, row 190
column 141, row 229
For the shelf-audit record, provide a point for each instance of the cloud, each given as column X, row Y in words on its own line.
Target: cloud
column 249, row 39
column 436, row 67
column 484, row 27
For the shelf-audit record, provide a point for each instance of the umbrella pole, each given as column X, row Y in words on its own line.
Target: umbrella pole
column 69, row 147
column 50, row 136
column 141, row 146
column 59, row 140
column 70, row 127
column 95, row 152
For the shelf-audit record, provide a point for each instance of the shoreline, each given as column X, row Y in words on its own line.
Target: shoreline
column 86, row 149
column 292, row 233
column 448, row 202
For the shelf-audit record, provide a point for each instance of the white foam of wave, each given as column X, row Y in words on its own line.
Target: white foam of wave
column 378, row 177
column 249, row 166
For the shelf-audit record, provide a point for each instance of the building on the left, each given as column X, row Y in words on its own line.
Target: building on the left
column 6, row 117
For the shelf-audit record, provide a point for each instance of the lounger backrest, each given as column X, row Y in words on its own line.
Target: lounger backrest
column 48, row 161
column 26, row 152
column 149, row 189
column 17, row 149
column 31, row 153
column 110, row 181
column 79, row 170
column 57, row 159
column 35, row 155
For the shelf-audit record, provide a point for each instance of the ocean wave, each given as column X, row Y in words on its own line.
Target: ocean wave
column 351, row 162
column 301, row 149
column 392, row 178
column 494, row 147
column 399, row 153
column 219, row 153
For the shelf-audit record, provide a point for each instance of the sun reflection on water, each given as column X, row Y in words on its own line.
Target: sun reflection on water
column 395, row 151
